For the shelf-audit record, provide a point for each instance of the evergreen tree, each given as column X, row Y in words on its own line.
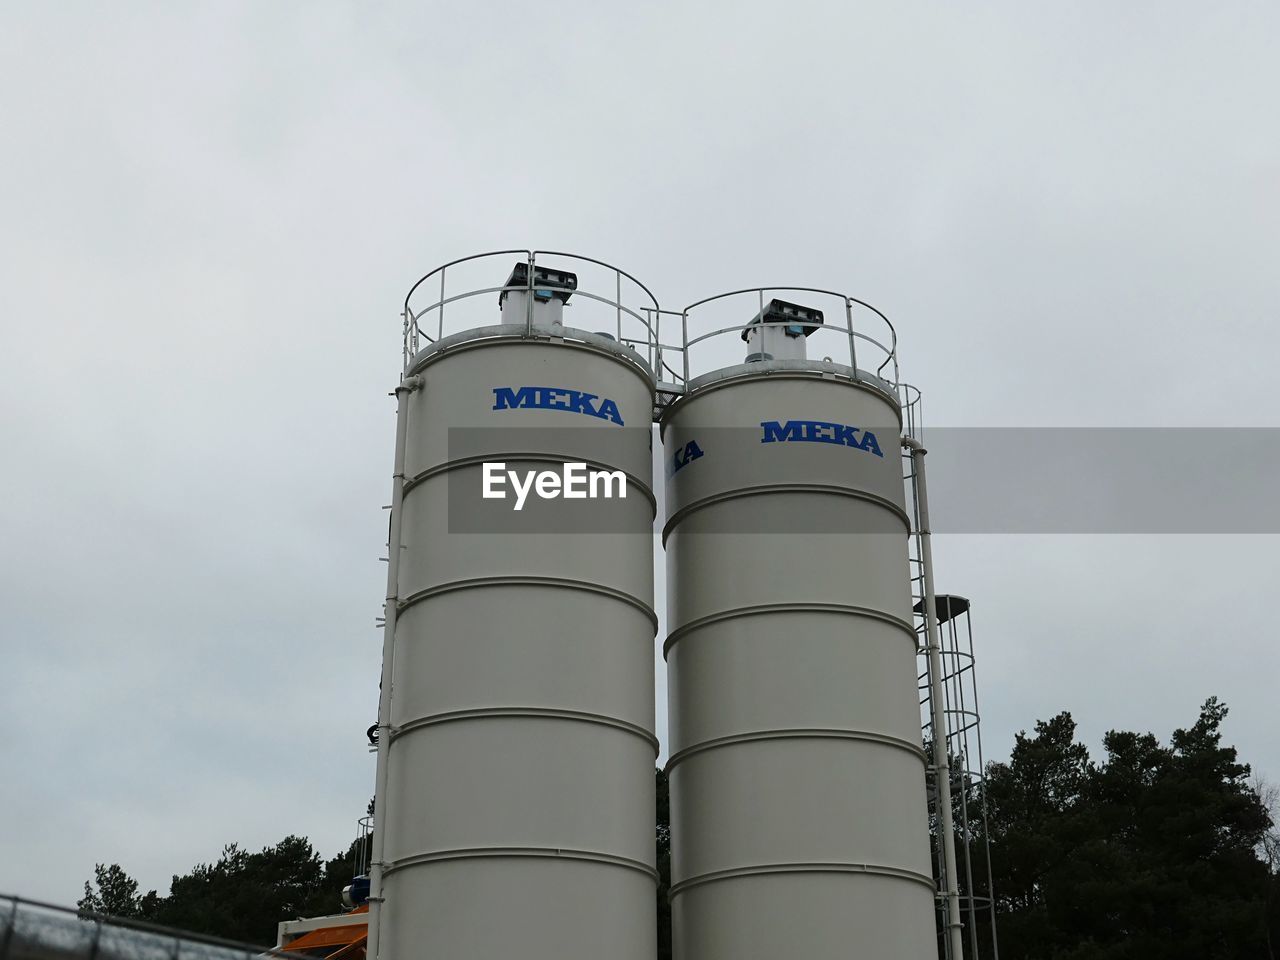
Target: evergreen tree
column 114, row 892
column 663, row 838
column 1151, row 854
column 1161, row 851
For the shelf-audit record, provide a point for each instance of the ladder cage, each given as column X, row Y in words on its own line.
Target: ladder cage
column 963, row 735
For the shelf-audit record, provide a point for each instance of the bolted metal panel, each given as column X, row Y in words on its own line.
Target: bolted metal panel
column 798, row 806
column 498, row 907
column 804, row 914
column 519, row 800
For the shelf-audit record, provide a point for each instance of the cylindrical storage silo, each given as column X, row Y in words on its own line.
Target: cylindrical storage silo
column 797, row 777
column 519, row 807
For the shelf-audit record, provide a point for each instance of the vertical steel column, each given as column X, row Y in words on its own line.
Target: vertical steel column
column 388, row 652
column 941, row 762
column 8, row 932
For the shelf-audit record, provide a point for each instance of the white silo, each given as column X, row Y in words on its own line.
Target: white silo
column 515, row 805
column 797, row 774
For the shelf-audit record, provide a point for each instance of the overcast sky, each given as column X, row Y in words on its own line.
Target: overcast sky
column 210, row 213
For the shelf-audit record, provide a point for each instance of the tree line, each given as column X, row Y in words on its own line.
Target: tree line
column 240, row 896
column 1156, row 850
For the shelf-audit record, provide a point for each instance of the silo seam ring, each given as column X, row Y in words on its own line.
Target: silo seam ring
column 553, row 853
column 482, row 713
column 799, row 733
column 642, row 483
column 708, row 382
column 528, row 581
column 734, row 873
column 766, row 608
column 741, row 492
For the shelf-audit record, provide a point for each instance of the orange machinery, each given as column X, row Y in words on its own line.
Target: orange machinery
column 341, row 936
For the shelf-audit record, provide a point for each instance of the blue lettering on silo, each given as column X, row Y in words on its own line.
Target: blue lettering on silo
column 819, row 431
column 556, row 398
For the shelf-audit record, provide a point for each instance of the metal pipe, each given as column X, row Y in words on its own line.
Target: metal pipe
column 528, row 298
column 388, row 654
column 405, row 352
column 684, row 336
column 440, row 319
column 941, row 761
column 853, row 341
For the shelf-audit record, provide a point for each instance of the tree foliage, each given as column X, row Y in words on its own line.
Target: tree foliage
column 240, row 896
column 114, row 892
column 1153, row 852
column 1159, row 850
column 663, row 837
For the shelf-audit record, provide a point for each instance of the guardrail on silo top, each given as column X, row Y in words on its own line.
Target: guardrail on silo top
column 454, row 299
column 851, row 336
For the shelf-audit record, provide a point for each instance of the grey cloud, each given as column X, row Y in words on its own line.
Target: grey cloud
column 211, row 214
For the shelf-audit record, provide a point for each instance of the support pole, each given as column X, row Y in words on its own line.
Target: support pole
column 941, row 760
column 388, row 656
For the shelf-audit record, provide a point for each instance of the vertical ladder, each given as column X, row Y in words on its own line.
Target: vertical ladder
column 962, row 736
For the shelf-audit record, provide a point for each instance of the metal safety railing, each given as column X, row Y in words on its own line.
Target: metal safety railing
column 968, row 774
column 34, row 930
column 608, row 300
column 853, row 334
column 360, row 855
column 912, row 418
column 676, row 347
